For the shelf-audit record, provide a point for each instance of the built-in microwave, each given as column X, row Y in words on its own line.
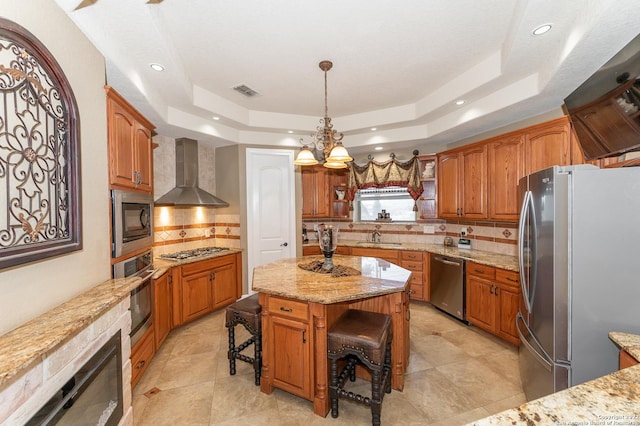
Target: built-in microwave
column 132, row 222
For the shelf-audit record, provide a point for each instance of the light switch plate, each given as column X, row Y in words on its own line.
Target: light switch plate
column 428, row 229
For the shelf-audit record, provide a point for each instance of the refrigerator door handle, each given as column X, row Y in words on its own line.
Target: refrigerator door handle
column 538, row 353
column 524, row 212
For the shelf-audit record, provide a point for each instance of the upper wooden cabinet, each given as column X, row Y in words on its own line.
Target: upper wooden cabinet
column 129, row 138
column 548, row 144
column 320, row 189
column 462, row 183
column 428, row 202
column 506, row 167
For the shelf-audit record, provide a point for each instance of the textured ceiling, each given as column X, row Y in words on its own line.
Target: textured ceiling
column 398, row 66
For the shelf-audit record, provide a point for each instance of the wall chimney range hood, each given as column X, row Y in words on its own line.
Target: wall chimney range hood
column 187, row 193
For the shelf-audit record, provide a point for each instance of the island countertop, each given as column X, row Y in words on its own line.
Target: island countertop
column 284, row 278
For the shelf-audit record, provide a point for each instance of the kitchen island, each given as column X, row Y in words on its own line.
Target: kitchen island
column 300, row 306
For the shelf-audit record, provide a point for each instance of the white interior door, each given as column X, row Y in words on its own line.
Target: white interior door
column 271, row 216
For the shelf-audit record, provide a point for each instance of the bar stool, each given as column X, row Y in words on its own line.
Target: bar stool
column 360, row 337
column 246, row 312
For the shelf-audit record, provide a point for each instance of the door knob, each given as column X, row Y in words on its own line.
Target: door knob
column 284, row 244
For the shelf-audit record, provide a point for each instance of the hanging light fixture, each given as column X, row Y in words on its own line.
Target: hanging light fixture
column 326, row 145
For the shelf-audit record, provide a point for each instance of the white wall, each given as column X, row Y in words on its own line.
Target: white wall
column 29, row 290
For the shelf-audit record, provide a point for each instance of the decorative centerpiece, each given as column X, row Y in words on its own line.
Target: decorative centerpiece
column 328, row 241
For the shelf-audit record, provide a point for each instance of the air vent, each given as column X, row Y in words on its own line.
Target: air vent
column 246, row 90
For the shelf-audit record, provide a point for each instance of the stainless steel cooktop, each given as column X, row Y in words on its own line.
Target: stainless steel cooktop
column 188, row 254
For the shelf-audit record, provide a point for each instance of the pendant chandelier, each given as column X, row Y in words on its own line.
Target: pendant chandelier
column 326, row 145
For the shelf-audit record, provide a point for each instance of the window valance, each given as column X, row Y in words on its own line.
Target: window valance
column 393, row 172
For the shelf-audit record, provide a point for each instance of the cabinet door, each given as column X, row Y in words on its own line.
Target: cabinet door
column 121, row 127
column 224, row 285
column 473, row 175
column 481, row 302
column 143, row 158
column 548, row 145
column 196, row 295
column 506, row 167
column 315, row 192
column 448, row 186
column 162, row 303
column 292, row 361
column 508, row 301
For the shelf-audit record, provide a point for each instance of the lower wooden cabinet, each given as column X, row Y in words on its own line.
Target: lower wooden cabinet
column 418, row 263
column 162, row 307
column 205, row 286
column 627, row 360
column 141, row 355
column 493, row 297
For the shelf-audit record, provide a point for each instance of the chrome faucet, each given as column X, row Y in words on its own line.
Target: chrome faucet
column 376, row 236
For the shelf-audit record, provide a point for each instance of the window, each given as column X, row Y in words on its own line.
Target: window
column 394, row 200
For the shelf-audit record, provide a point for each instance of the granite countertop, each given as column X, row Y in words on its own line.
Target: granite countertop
column 628, row 342
column 162, row 265
column 613, row 399
column 26, row 345
column 284, row 278
column 497, row 260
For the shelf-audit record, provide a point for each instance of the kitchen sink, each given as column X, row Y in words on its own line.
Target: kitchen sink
column 381, row 245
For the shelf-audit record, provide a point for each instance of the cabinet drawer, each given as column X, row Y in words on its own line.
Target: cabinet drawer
column 206, row 265
column 141, row 357
column 484, row 271
column 289, row 308
column 416, row 279
column 417, row 292
column 389, row 255
column 411, row 265
column 412, row 255
column 311, row 250
column 508, row 277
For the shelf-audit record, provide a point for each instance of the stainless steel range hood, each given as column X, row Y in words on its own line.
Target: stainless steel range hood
column 187, row 192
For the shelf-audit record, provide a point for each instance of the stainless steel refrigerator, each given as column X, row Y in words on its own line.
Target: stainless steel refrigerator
column 579, row 237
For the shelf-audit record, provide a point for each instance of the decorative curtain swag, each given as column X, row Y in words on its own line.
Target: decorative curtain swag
column 393, row 172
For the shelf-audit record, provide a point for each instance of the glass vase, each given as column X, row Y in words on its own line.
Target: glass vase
column 328, row 241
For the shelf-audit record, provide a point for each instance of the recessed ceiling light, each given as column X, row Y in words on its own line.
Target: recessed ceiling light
column 378, row 148
column 289, row 131
column 215, row 117
column 373, row 129
column 460, row 102
column 157, row 67
column 542, row 29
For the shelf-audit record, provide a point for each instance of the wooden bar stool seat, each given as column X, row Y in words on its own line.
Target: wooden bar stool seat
column 247, row 312
column 360, row 337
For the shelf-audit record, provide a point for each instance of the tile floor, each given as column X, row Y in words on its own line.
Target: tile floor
column 457, row 374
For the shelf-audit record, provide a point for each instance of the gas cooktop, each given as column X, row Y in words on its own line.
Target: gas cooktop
column 188, row 254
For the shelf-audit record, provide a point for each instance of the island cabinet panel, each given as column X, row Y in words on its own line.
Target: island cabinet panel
column 162, row 307
column 205, row 286
column 392, row 256
column 626, row 360
column 291, row 366
column 493, row 297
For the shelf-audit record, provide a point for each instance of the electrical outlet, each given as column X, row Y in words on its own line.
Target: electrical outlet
column 428, row 229
column 207, row 233
column 463, row 232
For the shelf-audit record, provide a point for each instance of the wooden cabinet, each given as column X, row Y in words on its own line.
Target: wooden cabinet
column 418, row 263
column 462, row 183
column 129, row 139
column 314, row 249
column 288, row 330
column 162, row 307
column 506, row 167
column 626, row 360
column 492, row 300
column 548, row 144
column 141, row 355
column 428, row 201
column 319, row 196
column 392, row 256
column 205, row 286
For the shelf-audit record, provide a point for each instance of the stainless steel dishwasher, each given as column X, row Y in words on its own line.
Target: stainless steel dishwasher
column 446, row 280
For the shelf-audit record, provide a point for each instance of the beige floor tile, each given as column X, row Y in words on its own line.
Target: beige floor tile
column 188, row 405
column 463, row 418
column 237, row 396
column 505, row 404
column 187, row 370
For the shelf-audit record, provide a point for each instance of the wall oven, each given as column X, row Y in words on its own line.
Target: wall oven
column 141, row 302
column 132, row 222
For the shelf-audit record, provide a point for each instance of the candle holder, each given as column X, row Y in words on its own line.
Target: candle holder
column 328, row 241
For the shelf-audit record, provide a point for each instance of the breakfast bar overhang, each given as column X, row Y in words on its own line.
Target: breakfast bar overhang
column 300, row 306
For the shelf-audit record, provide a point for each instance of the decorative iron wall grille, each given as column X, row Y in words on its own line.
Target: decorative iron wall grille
column 39, row 152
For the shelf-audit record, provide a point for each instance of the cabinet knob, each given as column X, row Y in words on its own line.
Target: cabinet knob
column 140, row 365
column 491, row 289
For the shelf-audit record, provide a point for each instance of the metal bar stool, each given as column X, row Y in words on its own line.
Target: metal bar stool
column 360, row 337
column 246, row 312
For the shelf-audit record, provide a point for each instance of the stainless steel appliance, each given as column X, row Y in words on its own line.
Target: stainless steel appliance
column 447, row 285
column 579, row 270
column 132, row 222
column 138, row 266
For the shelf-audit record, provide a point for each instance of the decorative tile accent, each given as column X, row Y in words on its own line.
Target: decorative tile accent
column 228, row 230
column 469, row 230
column 506, row 233
column 183, row 234
column 442, row 227
column 409, row 227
